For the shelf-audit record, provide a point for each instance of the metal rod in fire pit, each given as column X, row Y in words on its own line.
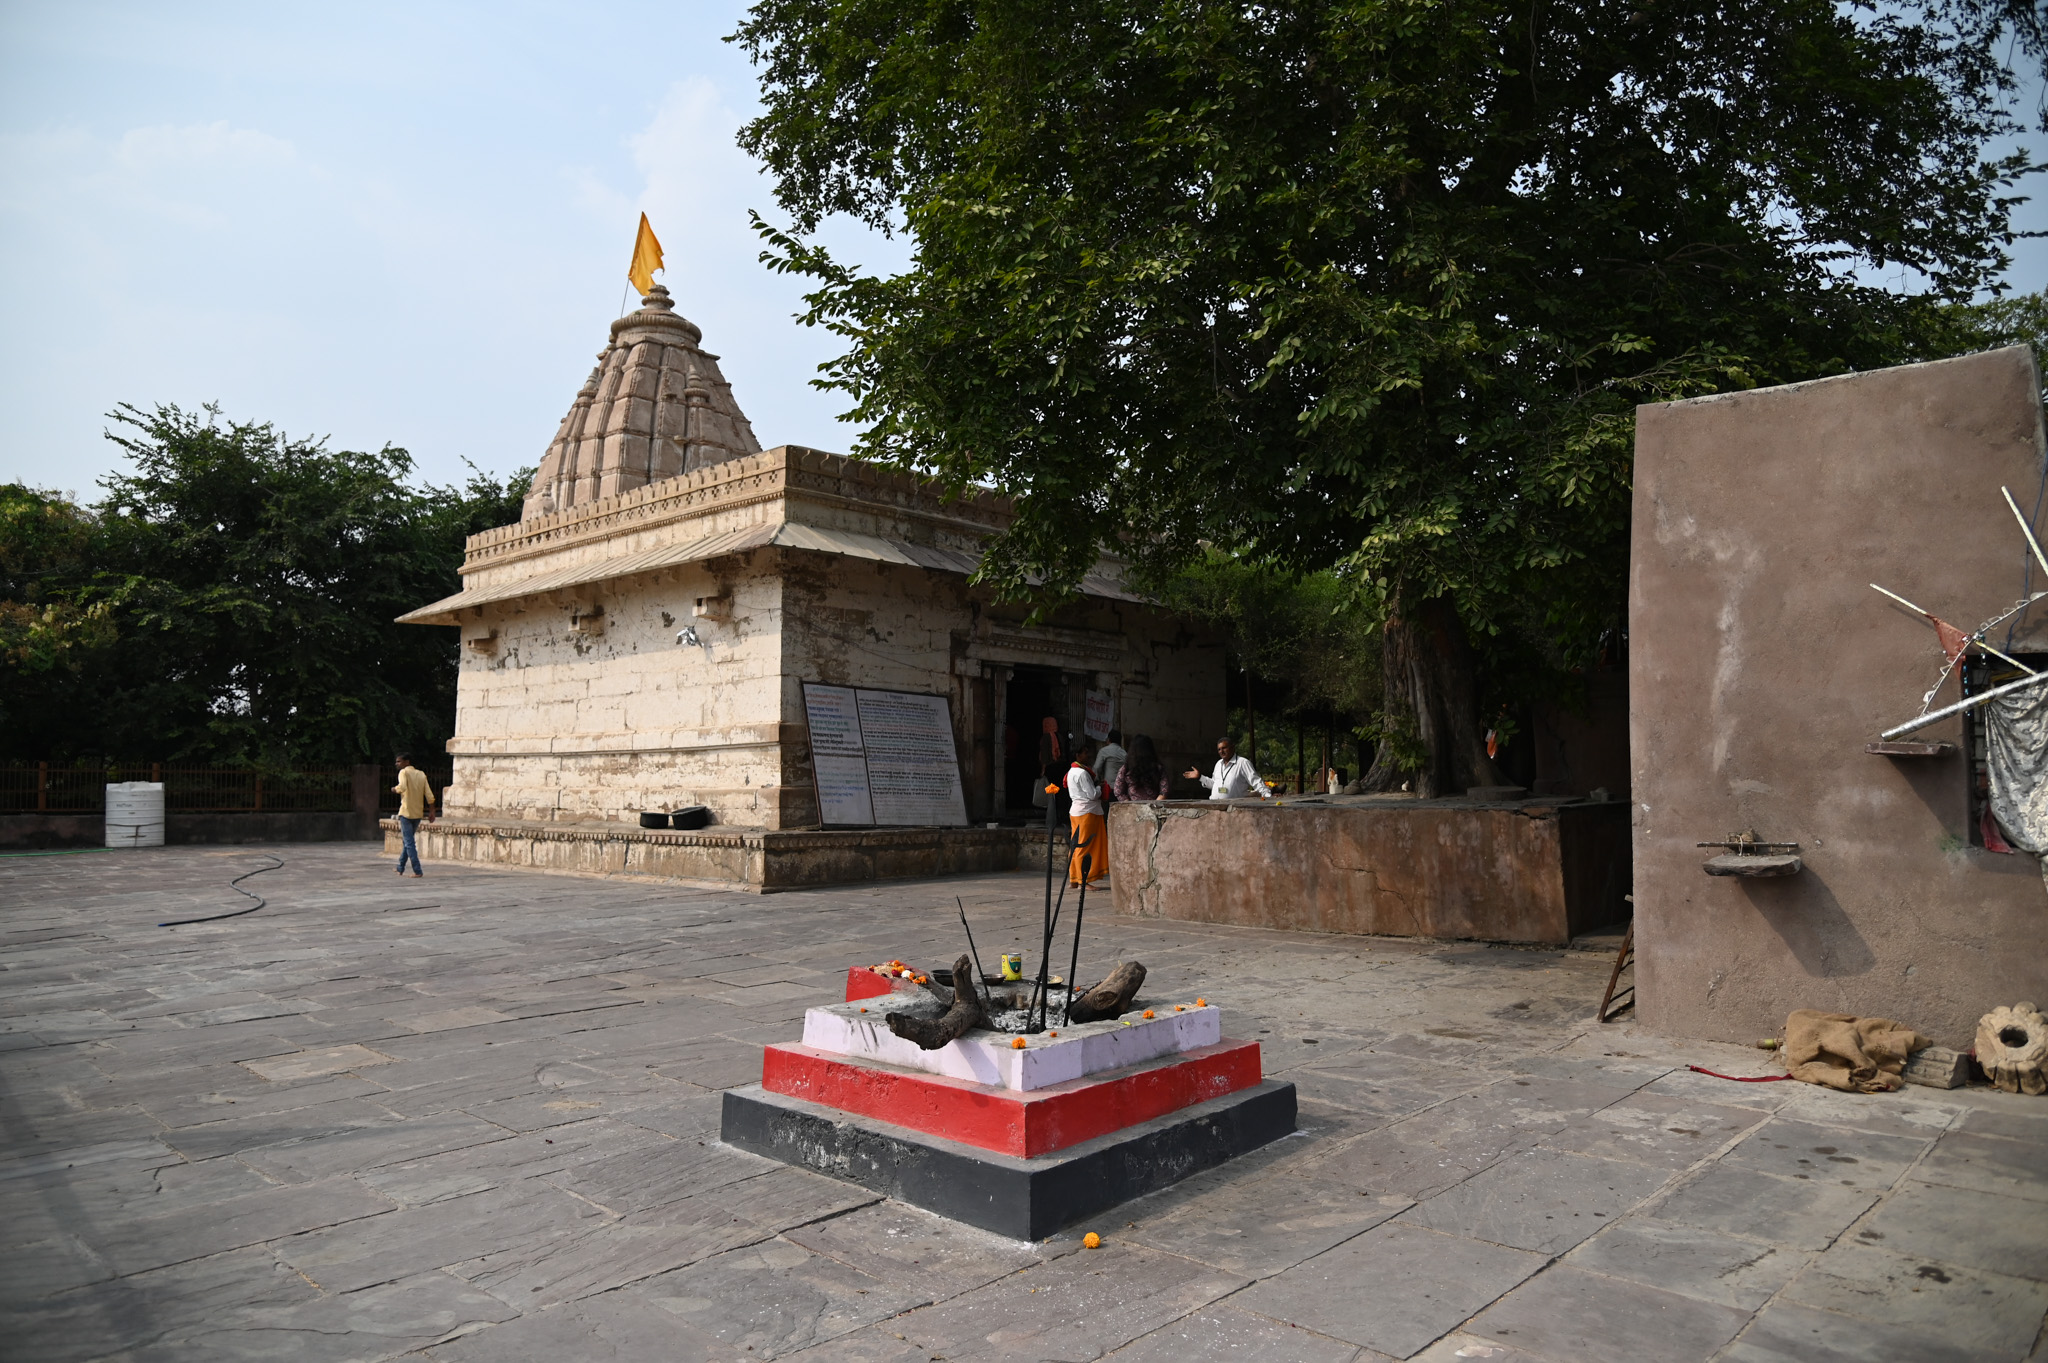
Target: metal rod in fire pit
column 971, row 950
column 1042, row 995
column 1074, row 961
column 1052, row 923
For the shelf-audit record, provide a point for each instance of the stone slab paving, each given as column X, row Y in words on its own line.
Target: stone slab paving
column 473, row 1118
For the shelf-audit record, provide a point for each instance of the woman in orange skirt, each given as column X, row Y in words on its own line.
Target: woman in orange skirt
column 1090, row 829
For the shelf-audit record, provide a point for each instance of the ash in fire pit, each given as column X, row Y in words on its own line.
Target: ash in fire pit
column 1015, row 1007
column 1009, row 1008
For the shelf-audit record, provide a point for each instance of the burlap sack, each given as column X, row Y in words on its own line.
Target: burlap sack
column 1859, row 1055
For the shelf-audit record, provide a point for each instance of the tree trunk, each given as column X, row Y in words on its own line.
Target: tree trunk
column 1435, row 743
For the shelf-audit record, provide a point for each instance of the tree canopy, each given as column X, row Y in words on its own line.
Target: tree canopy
column 231, row 600
column 1372, row 285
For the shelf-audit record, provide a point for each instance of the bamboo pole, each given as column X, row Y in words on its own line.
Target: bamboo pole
column 1966, row 704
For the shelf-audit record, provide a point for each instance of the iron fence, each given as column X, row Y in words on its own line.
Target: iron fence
column 43, row 787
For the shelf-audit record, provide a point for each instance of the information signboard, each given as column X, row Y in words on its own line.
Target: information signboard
column 1100, row 715
column 883, row 758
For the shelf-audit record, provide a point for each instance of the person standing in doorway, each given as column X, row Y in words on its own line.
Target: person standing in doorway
column 1109, row 760
column 1234, row 778
column 1052, row 766
column 1087, row 827
column 414, row 796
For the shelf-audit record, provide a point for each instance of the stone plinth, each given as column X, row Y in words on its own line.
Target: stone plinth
column 1503, row 871
column 1016, row 1134
column 1024, row 1198
column 741, row 858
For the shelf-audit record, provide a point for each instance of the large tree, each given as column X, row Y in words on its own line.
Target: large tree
column 230, row 599
column 1371, row 285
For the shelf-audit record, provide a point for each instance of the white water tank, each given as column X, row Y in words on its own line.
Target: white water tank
column 135, row 814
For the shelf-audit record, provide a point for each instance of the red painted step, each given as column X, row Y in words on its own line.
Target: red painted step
column 862, row 983
column 1034, row 1122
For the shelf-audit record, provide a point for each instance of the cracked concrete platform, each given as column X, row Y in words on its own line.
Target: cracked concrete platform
column 473, row 1118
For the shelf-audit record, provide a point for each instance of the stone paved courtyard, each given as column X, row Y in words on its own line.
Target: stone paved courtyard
column 474, row 1117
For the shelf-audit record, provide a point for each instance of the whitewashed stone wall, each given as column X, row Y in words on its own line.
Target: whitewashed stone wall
column 558, row 726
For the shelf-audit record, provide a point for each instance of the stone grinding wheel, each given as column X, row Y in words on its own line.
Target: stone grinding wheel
column 2012, row 1046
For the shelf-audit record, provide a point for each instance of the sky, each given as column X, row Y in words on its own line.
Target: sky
column 386, row 224
column 379, row 224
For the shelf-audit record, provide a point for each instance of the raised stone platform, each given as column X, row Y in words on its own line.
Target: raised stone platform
column 739, row 858
column 1541, row 870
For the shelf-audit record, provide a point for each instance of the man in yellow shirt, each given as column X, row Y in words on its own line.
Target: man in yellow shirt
column 414, row 795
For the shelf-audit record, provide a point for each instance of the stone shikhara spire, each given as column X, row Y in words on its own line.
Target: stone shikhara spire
column 655, row 407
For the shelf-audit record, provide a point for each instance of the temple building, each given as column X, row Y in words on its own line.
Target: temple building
column 641, row 639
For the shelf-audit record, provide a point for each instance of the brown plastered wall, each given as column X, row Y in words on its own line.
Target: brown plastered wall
column 1761, row 663
column 1531, row 872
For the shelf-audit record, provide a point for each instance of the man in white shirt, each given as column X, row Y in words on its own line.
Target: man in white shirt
column 1234, row 778
column 1109, row 760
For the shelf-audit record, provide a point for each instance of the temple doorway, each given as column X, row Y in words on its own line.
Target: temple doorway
column 1033, row 695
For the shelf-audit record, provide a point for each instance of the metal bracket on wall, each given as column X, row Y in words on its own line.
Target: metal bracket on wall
column 1910, row 749
column 1751, row 857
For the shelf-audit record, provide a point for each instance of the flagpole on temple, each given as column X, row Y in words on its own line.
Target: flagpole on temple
column 646, row 260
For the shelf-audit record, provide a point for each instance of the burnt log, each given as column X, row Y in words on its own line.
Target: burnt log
column 1110, row 998
column 964, row 1014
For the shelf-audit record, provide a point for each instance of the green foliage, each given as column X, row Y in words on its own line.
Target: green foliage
column 1306, row 646
column 245, row 585
column 2017, row 319
column 1372, row 285
column 43, row 539
column 1307, row 635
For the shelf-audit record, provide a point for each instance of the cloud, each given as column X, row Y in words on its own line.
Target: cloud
column 211, row 146
column 183, row 175
column 697, row 183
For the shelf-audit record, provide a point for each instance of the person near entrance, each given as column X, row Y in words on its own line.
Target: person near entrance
column 414, row 795
column 1234, row 778
column 1109, row 760
column 1088, row 829
column 1052, row 764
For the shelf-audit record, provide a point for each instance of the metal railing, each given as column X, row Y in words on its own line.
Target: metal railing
column 47, row 788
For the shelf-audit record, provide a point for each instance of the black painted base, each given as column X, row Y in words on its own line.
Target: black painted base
column 1021, row 1198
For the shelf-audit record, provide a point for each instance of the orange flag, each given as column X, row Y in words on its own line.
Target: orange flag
column 1953, row 640
column 646, row 258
